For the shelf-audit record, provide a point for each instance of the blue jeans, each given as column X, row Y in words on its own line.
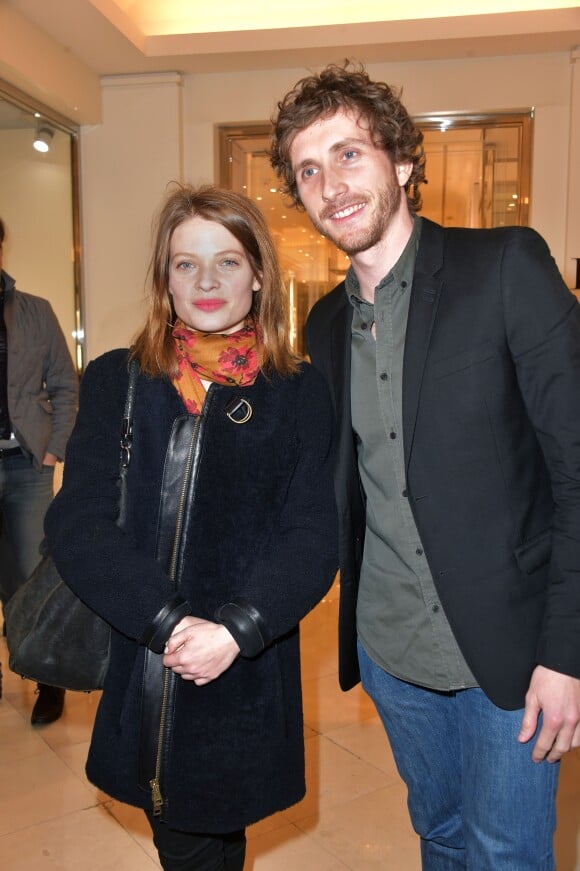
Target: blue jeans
column 25, row 495
column 475, row 797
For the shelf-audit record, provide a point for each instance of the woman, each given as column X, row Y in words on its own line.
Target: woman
column 229, row 538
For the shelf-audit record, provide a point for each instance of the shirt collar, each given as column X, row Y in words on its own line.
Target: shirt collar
column 401, row 272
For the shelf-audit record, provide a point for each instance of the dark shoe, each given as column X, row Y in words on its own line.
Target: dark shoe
column 48, row 706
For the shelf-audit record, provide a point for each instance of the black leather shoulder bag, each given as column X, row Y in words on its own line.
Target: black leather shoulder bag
column 52, row 636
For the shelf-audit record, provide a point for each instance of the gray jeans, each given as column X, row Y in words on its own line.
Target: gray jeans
column 25, row 495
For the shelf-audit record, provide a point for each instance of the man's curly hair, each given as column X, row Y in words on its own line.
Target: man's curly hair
column 349, row 88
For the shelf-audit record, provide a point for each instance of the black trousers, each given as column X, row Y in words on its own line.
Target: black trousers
column 190, row 851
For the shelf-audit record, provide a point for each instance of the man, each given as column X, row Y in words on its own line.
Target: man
column 38, row 399
column 453, row 356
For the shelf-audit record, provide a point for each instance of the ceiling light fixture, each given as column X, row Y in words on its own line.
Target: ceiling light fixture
column 43, row 138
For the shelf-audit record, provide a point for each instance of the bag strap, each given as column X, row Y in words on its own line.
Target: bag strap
column 126, row 440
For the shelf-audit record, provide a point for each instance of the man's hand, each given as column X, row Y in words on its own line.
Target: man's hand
column 200, row 650
column 557, row 697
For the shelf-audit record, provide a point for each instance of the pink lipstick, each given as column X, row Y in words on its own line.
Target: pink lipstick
column 209, row 305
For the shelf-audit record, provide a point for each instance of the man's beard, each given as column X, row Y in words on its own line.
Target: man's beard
column 362, row 238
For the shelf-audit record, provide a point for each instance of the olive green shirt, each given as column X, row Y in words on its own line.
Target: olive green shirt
column 400, row 620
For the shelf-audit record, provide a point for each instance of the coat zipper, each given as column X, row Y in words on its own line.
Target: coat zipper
column 155, row 782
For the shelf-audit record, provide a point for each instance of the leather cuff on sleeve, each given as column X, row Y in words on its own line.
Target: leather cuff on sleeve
column 161, row 627
column 246, row 625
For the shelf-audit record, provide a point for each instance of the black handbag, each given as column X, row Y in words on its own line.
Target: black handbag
column 52, row 636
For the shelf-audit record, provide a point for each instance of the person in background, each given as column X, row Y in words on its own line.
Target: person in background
column 453, row 356
column 229, row 538
column 38, row 402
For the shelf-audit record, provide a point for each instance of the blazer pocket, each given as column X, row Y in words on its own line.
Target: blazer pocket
column 45, row 403
column 534, row 553
column 464, row 360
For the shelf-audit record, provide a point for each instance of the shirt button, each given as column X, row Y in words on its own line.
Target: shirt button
column 384, row 376
column 364, row 326
column 403, row 284
column 419, row 551
column 405, row 493
column 435, row 609
column 393, row 435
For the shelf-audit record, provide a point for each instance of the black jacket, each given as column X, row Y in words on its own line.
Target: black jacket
column 491, row 429
column 259, row 530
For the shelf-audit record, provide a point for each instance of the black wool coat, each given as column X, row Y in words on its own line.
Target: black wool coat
column 259, row 527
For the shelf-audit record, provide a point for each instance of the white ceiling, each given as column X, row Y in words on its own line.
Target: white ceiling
column 138, row 36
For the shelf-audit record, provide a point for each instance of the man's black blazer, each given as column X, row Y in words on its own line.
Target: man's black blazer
column 491, row 429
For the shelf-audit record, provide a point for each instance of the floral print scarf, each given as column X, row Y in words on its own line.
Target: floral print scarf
column 226, row 358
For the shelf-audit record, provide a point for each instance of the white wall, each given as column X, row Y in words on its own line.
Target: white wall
column 45, row 70
column 126, row 164
column 128, row 160
column 573, row 186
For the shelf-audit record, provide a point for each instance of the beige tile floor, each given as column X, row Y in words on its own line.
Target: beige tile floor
column 353, row 817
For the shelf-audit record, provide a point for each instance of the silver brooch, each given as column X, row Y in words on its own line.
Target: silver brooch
column 239, row 410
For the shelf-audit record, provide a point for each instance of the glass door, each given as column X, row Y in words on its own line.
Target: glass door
column 478, row 170
column 39, row 204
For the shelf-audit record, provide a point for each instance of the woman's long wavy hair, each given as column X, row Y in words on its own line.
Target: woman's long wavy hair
column 348, row 88
column 154, row 346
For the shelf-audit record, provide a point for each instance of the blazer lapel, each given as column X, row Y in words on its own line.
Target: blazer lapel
column 341, row 354
column 425, row 294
